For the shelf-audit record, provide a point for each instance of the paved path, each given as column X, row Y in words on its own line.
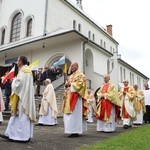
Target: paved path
column 53, row 138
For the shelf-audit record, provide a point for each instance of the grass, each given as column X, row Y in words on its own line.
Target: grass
column 136, row 139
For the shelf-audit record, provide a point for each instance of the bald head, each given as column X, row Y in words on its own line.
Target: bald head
column 106, row 78
column 74, row 67
column 135, row 86
column 146, row 86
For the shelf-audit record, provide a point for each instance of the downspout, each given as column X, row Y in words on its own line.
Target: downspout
column 45, row 18
column 84, row 43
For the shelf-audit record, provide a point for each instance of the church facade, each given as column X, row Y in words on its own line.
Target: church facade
column 50, row 29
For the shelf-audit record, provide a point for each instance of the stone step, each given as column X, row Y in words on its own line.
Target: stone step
column 6, row 114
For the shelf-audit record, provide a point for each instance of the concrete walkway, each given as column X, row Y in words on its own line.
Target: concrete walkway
column 53, row 138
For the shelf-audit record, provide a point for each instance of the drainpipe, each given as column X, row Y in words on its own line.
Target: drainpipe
column 45, row 18
column 84, row 43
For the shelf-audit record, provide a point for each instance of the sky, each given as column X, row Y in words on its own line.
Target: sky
column 131, row 27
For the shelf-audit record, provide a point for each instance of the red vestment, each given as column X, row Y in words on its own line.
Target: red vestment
column 106, row 105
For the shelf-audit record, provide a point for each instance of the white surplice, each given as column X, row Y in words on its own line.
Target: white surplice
column 139, row 117
column 47, row 119
column 19, row 127
column 107, row 126
column 74, row 122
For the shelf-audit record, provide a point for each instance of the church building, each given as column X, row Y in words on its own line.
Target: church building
column 47, row 30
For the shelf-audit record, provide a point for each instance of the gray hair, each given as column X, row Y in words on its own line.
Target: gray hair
column 48, row 80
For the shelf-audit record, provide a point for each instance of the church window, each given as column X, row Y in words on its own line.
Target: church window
column 79, row 27
column 89, row 34
column 121, row 74
column 101, row 42
column 108, row 66
column 74, row 24
column 16, row 28
column 104, row 44
column 3, row 37
column 93, row 37
column 29, row 27
column 124, row 74
column 130, row 78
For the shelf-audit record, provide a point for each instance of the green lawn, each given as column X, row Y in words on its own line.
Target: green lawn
column 136, row 139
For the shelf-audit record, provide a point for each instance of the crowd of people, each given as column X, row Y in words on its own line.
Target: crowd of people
column 80, row 104
column 49, row 73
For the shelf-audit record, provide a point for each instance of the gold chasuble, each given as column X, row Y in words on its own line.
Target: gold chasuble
column 127, row 109
column 139, row 101
column 78, row 82
column 107, row 97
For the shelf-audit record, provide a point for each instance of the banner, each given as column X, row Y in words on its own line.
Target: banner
column 65, row 68
column 61, row 61
column 10, row 75
column 34, row 65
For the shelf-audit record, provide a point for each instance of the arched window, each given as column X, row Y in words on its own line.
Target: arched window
column 139, row 83
column 79, row 27
column 29, row 27
column 121, row 74
column 108, row 66
column 3, row 37
column 74, row 24
column 16, row 28
column 130, row 78
column 104, row 44
column 89, row 34
column 93, row 37
column 124, row 74
column 101, row 42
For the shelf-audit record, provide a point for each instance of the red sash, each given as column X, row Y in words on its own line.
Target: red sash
column 73, row 101
column 106, row 105
column 125, row 114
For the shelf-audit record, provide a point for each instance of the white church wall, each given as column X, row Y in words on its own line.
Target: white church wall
column 71, row 49
column 61, row 16
column 130, row 75
column 10, row 7
column 96, row 66
column 100, row 63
